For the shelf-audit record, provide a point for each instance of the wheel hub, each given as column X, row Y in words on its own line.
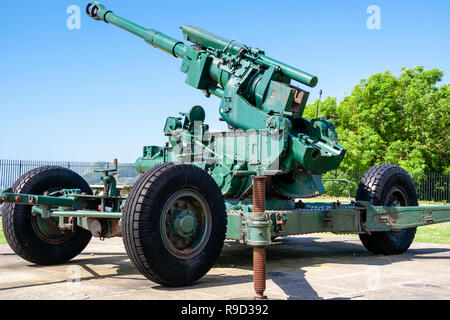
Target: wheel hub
column 47, row 229
column 185, row 223
column 396, row 198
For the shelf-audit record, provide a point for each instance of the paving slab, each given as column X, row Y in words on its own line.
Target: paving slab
column 308, row 267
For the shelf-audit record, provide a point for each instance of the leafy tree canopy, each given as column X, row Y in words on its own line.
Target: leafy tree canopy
column 402, row 120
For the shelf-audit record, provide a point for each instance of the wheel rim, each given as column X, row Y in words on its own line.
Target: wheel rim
column 185, row 223
column 48, row 229
column 395, row 197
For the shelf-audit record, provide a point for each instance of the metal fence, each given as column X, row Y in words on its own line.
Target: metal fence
column 433, row 187
column 11, row 170
column 430, row 187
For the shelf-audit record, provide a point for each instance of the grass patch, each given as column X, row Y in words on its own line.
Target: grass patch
column 2, row 236
column 435, row 233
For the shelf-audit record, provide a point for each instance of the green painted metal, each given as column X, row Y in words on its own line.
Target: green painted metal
column 259, row 103
column 208, row 40
column 78, row 213
column 283, row 217
column 72, row 204
column 338, row 218
column 395, row 218
column 291, row 218
column 235, row 225
column 21, row 198
column 258, row 232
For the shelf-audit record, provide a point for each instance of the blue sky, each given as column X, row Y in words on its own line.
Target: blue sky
column 98, row 92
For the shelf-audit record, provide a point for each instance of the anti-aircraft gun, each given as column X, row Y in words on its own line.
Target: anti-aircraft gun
column 202, row 187
column 257, row 100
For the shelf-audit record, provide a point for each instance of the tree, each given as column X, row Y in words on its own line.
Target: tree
column 402, row 120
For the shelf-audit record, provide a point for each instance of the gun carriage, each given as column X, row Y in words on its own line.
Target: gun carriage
column 203, row 187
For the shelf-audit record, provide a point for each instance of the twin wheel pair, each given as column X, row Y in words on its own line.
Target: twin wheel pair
column 173, row 224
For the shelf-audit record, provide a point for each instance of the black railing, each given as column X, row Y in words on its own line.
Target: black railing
column 11, row 170
column 433, row 187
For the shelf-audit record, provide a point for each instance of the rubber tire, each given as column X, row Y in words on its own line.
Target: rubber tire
column 141, row 224
column 17, row 225
column 374, row 186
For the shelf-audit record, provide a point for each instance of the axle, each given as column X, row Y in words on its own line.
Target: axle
column 285, row 217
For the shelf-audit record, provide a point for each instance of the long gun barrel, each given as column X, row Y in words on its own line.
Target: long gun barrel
column 200, row 37
column 208, row 39
column 152, row 37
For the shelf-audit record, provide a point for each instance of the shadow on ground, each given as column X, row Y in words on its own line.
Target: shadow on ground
column 286, row 260
column 288, row 257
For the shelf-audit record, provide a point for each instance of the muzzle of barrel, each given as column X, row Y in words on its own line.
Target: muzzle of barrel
column 97, row 11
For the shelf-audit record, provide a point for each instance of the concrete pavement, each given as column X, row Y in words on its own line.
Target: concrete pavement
column 315, row 266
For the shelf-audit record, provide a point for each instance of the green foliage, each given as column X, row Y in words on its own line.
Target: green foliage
column 402, row 120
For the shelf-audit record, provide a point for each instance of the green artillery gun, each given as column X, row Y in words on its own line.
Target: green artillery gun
column 203, row 187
